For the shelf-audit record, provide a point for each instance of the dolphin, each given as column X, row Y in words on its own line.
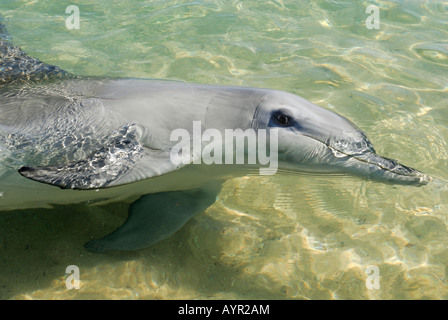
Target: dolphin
column 69, row 139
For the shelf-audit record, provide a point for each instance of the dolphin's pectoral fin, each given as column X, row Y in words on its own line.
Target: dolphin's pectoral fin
column 155, row 217
column 16, row 65
column 123, row 161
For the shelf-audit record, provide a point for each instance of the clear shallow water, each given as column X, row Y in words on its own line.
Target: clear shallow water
column 275, row 237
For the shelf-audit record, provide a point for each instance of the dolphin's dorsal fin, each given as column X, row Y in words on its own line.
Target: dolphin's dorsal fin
column 17, row 66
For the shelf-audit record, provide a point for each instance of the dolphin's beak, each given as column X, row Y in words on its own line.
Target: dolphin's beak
column 350, row 151
column 383, row 169
column 355, row 156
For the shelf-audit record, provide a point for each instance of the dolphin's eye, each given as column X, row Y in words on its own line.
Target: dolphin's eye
column 282, row 120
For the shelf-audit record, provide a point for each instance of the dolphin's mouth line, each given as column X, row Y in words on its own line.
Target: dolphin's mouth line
column 366, row 160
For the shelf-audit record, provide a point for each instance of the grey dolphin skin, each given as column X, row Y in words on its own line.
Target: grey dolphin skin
column 101, row 139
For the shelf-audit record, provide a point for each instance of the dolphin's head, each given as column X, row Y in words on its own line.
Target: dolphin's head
column 313, row 139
